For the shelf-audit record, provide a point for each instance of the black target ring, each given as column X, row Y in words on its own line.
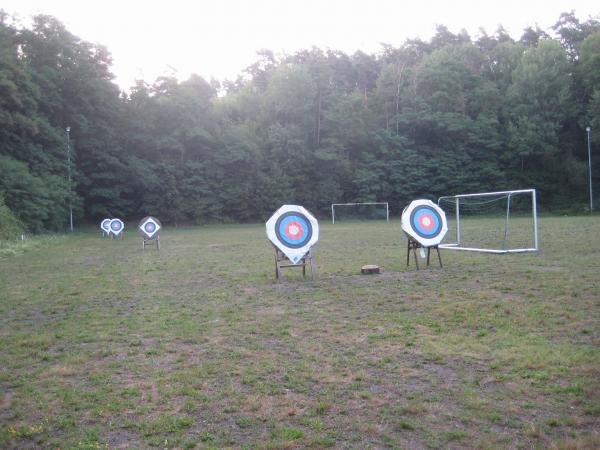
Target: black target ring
column 436, row 216
column 306, row 225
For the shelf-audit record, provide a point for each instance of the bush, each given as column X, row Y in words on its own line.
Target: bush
column 10, row 226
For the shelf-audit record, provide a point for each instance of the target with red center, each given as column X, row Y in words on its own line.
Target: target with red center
column 425, row 222
column 116, row 226
column 149, row 227
column 293, row 230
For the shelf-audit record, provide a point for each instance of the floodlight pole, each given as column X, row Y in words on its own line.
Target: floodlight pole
column 588, row 129
column 68, row 131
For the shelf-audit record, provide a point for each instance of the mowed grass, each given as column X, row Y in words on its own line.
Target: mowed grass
column 104, row 345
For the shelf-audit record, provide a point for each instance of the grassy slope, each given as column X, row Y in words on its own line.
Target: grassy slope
column 103, row 345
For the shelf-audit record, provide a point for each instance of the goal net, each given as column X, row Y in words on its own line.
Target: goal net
column 491, row 222
column 360, row 211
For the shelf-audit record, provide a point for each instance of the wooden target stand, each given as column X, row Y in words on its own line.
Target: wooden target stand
column 154, row 240
column 116, row 237
column 282, row 262
column 414, row 245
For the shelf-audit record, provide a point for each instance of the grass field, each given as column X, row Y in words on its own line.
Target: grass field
column 103, row 345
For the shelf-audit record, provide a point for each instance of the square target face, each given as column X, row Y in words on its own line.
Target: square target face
column 149, row 227
column 425, row 222
column 293, row 230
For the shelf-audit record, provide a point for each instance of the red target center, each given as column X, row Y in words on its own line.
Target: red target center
column 426, row 221
column 293, row 229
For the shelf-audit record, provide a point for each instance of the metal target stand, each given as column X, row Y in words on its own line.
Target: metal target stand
column 414, row 245
column 280, row 258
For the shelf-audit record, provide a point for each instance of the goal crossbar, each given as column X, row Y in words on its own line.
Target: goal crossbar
column 456, row 245
column 387, row 208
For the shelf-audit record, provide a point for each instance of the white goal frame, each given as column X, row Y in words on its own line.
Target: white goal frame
column 456, row 245
column 387, row 208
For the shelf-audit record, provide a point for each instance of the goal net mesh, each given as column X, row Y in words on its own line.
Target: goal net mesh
column 359, row 211
column 503, row 221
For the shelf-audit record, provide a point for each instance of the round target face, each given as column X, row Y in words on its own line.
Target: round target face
column 425, row 222
column 116, row 226
column 149, row 226
column 293, row 230
column 105, row 225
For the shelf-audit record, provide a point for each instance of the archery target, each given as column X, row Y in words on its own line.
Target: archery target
column 425, row 222
column 116, row 226
column 293, row 230
column 149, row 226
column 105, row 225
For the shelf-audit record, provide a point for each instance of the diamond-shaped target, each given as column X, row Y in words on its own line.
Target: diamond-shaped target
column 116, row 226
column 149, row 226
column 425, row 222
column 293, row 230
column 105, row 225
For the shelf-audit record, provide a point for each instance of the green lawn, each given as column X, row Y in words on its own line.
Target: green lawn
column 103, row 345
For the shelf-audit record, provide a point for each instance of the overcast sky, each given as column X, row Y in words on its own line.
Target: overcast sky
column 219, row 38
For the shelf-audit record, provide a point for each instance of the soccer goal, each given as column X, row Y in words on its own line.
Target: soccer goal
column 360, row 211
column 492, row 222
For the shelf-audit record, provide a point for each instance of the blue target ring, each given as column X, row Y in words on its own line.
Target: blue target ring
column 105, row 225
column 293, row 229
column 150, row 227
column 426, row 222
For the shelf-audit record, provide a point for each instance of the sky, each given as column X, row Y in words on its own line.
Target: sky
column 220, row 38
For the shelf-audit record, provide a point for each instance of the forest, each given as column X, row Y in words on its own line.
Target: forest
column 453, row 114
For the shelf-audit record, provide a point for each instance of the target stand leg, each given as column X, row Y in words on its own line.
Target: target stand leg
column 277, row 269
column 437, row 249
column 412, row 245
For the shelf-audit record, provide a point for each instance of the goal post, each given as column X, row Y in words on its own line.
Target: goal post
column 359, row 204
column 508, row 221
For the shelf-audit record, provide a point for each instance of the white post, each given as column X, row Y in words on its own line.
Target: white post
column 68, row 130
column 535, row 226
column 457, row 221
column 506, row 221
column 387, row 211
column 588, row 129
column 332, row 214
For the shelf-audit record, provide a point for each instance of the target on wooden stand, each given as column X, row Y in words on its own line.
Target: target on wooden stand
column 149, row 227
column 105, row 226
column 293, row 230
column 424, row 222
column 116, row 226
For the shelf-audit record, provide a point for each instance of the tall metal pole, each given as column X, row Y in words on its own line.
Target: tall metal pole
column 588, row 129
column 68, row 130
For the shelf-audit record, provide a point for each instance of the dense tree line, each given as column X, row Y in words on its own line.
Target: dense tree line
column 452, row 114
